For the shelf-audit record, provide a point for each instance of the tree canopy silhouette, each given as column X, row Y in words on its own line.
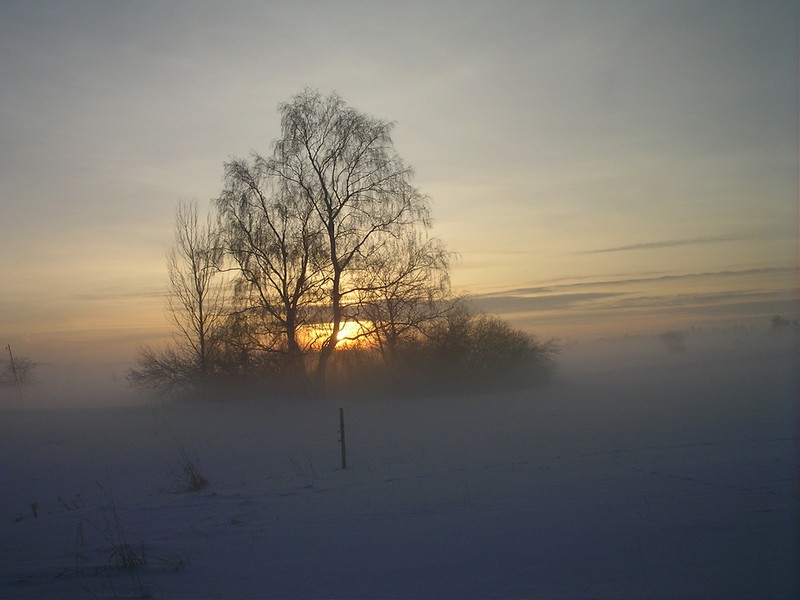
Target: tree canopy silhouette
column 325, row 232
column 310, row 226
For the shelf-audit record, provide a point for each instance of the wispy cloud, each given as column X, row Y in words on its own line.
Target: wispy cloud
column 745, row 294
column 514, row 304
column 605, row 283
column 670, row 244
column 117, row 295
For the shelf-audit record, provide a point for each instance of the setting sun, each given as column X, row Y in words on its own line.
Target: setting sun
column 350, row 334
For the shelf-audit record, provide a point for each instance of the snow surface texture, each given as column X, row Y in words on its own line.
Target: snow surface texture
column 673, row 479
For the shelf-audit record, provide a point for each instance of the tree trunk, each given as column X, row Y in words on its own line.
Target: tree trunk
column 328, row 346
column 296, row 365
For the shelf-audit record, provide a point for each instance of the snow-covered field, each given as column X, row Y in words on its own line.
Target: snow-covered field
column 674, row 476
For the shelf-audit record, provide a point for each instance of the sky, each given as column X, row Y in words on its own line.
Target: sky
column 601, row 168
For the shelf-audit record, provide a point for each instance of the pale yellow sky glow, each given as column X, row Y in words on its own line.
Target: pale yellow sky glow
column 601, row 168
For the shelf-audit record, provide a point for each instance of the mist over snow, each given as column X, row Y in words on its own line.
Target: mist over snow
column 654, row 466
column 68, row 385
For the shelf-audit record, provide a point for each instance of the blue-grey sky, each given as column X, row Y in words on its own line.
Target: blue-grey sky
column 601, row 167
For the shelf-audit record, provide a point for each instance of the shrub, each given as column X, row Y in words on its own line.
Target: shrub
column 485, row 351
column 192, row 478
column 467, row 351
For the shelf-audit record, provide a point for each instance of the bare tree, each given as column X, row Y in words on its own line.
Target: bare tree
column 404, row 285
column 342, row 164
column 17, row 371
column 163, row 371
column 276, row 246
column 196, row 306
column 196, row 299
